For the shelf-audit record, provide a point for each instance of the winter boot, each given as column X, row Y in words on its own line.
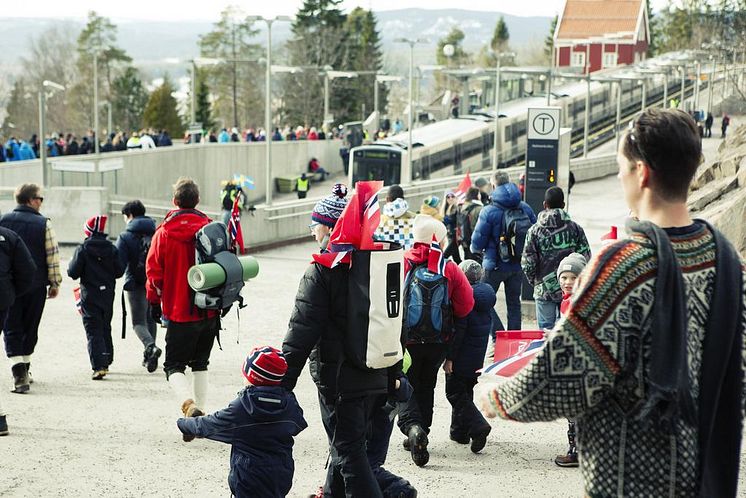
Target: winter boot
column 28, row 373
column 571, row 458
column 479, row 439
column 3, row 426
column 152, row 353
column 418, row 445
column 20, row 378
column 99, row 374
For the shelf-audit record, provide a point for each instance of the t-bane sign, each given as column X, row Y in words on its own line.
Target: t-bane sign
column 543, row 123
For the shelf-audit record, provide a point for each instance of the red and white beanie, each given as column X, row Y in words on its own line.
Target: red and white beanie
column 265, row 366
column 97, row 224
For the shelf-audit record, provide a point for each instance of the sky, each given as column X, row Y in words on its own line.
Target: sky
column 179, row 10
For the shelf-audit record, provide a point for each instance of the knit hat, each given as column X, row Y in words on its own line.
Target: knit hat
column 95, row 225
column 480, row 182
column 430, row 206
column 328, row 210
column 573, row 263
column 472, row 269
column 395, row 208
column 424, row 226
column 265, row 366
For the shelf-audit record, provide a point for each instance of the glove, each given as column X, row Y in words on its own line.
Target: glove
column 405, row 390
column 155, row 312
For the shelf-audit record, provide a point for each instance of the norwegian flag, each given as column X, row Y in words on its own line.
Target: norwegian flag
column 609, row 237
column 514, row 349
column 235, row 234
column 436, row 263
column 462, row 188
column 78, row 302
column 355, row 226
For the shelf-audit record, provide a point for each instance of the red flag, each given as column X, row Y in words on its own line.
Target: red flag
column 235, row 234
column 355, row 226
column 609, row 237
column 436, row 263
column 462, row 188
column 514, row 349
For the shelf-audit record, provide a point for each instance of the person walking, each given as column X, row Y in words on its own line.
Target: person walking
column 449, row 211
column 467, row 220
column 21, row 329
column 549, row 241
column 133, row 245
column 724, row 125
column 302, row 186
column 396, row 218
column 658, row 414
column 708, row 125
column 17, row 269
column 190, row 332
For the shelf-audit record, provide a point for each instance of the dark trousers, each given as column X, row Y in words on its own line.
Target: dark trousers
column 475, row 256
column 189, row 344
column 349, row 472
column 512, row 281
column 466, row 420
column 452, row 250
column 97, row 310
column 21, row 331
column 423, row 376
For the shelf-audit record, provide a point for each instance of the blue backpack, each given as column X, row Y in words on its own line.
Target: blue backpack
column 428, row 315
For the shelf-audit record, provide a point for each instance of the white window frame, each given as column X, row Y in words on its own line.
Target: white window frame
column 610, row 59
column 577, row 59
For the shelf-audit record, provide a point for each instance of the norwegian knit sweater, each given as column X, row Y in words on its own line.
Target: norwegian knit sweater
column 595, row 365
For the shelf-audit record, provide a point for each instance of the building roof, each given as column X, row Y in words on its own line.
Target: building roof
column 583, row 19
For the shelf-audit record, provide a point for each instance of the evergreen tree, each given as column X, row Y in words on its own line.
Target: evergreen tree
column 459, row 58
column 21, row 106
column 366, row 56
column 237, row 82
column 653, row 26
column 500, row 37
column 204, row 111
column 549, row 40
column 129, row 100
column 161, row 110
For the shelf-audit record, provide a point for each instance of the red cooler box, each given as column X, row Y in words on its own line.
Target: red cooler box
column 513, row 350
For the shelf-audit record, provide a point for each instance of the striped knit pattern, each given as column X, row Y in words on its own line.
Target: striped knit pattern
column 594, row 368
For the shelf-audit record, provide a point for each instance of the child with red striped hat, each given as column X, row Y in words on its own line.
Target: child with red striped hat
column 259, row 425
column 96, row 263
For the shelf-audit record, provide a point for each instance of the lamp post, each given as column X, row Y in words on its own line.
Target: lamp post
column 42, row 126
column 381, row 78
column 109, row 125
column 498, row 56
column 268, row 101
column 95, row 103
column 683, row 85
column 410, row 122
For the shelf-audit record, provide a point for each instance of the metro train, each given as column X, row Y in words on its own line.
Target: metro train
column 454, row 146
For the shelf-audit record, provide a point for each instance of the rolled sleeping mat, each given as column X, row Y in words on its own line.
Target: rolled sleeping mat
column 210, row 275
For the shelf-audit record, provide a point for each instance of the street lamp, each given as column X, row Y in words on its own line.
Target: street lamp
column 498, row 56
column 108, row 115
column 268, row 100
column 381, row 78
column 410, row 121
column 95, row 102
column 42, row 126
column 330, row 75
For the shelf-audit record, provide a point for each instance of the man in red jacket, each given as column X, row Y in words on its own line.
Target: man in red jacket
column 190, row 332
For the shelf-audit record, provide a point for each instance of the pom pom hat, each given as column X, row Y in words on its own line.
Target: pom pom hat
column 265, row 366
column 328, row 210
column 97, row 224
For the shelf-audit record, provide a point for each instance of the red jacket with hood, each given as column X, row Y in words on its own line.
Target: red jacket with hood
column 170, row 257
column 459, row 290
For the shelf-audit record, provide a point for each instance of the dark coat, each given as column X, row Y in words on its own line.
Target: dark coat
column 316, row 330
column 470, row 346
column 96, row 263
column 259, row 425
column 17, row 268
column 128, row 245
column 486, row 236
column 31, row 227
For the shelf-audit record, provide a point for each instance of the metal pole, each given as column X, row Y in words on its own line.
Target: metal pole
column 326, row 100
column 375, row 99
column 665, row 90
column 618, row 111
column 496, row 160
column 696, row 88
column 95, row 103
column 710, row 85
column 43, row 138
column 725, row 84
column 194, row 93
column 683, row 83
column 109, row 122
column 644, row 96
column 586, row 122
column 268, row 113
column 549, row 86
column 411, row 111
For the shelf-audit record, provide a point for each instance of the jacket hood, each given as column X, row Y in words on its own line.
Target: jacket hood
column 97, row 245
column 396, row 208
column 553, row 218
column 264, row 402
column 484, row 297
column 418, row 253
column 182, row 224
column 506, row 195
column 142, row 224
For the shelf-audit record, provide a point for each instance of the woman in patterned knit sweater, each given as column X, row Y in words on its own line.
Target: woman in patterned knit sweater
column 648, row 362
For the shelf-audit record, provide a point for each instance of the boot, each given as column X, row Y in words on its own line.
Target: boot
column 152, row 353
column 189, row 409
column 479, row 439
column 417, row 438
column 28, row 373
column 20, row 378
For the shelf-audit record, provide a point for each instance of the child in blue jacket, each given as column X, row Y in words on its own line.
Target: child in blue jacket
column 465, row 357
column 259, row 425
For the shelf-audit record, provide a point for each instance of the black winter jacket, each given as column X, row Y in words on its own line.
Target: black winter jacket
column 470, row 346
column 128, row 245
column 259, row 425
column 96, row 263
column 17, row 268
column 316, row 330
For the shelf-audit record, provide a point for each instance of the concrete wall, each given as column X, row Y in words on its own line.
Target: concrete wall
column 15, row 173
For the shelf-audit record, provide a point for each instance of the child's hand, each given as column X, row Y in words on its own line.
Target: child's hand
column 448, row 366
column 486, row 406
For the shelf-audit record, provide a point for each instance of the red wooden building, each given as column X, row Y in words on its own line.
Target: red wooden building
column 596, row 34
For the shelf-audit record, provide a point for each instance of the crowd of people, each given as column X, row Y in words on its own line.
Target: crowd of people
column 643, row 351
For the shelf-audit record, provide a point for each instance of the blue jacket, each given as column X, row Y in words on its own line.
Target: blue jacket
column 259, row 425
column 25, row 152
column 468, row 355
column 486, row 236
column 128, row 245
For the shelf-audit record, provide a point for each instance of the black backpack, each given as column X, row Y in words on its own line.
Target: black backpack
column 138, row 269
column 428, row 315
column 464, row 223
column 212, row 246
column 515, row 226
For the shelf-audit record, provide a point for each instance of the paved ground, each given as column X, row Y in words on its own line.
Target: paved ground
column 74, row 437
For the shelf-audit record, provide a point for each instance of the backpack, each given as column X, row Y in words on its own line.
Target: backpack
column 374, row 315
column 428, row 315
column 463, row 220
column 211, row 246
column 143, row 246
column 515, row 225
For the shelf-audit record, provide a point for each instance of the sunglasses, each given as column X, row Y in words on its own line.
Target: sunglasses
column 41, row 199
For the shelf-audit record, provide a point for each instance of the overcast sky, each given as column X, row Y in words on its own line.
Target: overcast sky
column 162, row 10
